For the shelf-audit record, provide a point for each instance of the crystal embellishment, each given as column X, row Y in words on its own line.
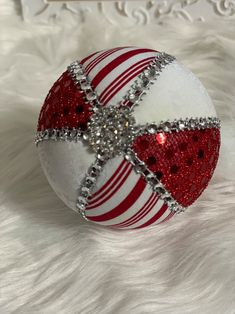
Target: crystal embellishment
column 110, row 130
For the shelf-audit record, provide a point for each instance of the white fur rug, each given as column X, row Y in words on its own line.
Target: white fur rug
column 50, row 260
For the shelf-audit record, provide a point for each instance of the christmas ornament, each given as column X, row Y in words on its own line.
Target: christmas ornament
column 128, row 137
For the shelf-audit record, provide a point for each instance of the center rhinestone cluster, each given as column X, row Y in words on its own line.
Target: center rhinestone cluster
column 110, row 130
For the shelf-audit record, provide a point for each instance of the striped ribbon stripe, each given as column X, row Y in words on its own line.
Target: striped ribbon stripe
column 152, row 211
column 124, row 83
column 140, row 213
column 114, row 63
column 125, row 80
column 100, row 58
column 119, row 182
column 171, row 214
column 147, row 211
column 90, row 65
column 142, row 218
column 154, row 218
column 124, row 205
column 120, row 195
column 84, row 60
column 119, row 79
column 110, row 180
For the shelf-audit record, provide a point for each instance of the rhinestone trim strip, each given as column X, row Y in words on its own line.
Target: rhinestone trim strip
column 74, row 135
column 79, row 77
column 147, row 78
column 88, row 183
column 179, row 125
column 141, row 168
column 64, row 134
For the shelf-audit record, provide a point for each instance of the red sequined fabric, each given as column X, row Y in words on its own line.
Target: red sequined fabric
column 183, row 161
column 64, row 106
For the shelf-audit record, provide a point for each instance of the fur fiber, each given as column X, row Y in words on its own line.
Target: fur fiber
column 53, row 262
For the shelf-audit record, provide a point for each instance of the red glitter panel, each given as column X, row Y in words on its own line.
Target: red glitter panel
column 184, row 162
column 64, row 106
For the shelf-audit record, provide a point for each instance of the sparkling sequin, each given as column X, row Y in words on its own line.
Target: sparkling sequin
column 161, row 138
column 183, row 165
column 64, row 106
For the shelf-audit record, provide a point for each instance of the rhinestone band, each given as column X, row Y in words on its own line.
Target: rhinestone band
column 146, row 78
column 179, row 125
column 80, row 78
column 64, row 134
column 88, row 184
column 74, row 135
column 141, row 168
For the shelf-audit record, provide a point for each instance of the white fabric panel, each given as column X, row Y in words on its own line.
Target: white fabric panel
column 177, row 93
column 65, row 164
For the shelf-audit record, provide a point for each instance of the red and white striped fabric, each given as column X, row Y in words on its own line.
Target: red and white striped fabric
column 122, row 198
column 113, row 71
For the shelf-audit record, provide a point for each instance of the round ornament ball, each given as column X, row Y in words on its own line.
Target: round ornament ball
column 128, row 137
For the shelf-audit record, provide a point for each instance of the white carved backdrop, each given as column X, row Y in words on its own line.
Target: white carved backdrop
column 131, row 12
